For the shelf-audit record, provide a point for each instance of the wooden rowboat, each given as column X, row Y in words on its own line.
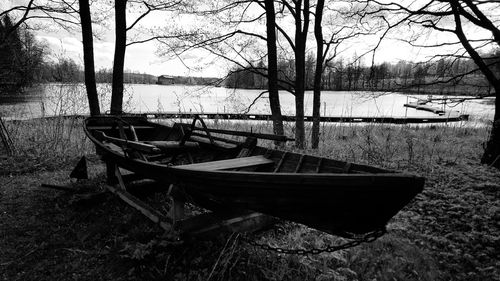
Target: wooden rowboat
column 215, row 171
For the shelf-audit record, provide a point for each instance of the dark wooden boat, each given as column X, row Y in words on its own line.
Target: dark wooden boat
column 215, row 171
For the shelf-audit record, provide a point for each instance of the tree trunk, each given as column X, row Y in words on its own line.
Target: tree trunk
column 88, row 57
column 272, row 68
column 491, row 154
column 300, row 57
column 318, row 34
column 119, row 58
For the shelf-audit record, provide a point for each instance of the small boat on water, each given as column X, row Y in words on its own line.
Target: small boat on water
column 214, row 170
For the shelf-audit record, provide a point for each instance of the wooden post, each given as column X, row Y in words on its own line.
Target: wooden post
column 177, row 210
column 118, row 176
column 111, row 178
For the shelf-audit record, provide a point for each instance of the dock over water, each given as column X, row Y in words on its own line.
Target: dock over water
column 328, row 119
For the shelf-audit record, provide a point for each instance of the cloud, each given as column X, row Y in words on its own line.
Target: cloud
column 62, row 47
column 138, row 57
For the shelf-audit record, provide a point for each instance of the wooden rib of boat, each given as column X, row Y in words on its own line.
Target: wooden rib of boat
column 215, row 170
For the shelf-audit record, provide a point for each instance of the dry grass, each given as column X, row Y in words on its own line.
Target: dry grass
column 49, row 143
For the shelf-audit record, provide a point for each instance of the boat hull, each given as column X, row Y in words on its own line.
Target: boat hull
column 338, row 203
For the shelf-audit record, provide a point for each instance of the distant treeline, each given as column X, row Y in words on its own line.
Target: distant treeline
column 188, row 80
column 445, row 76
column 196, row 80
column 68, row 71
column 24, row 61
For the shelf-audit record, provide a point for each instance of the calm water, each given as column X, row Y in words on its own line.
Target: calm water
column 55, row 99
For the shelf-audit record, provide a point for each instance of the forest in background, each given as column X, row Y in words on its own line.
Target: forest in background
column 25, row 61
column 445, row 76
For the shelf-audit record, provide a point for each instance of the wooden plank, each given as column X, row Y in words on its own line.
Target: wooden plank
column 248, row 147
column 221, row 144
column 134, row 134
column 144, row 147
column 158, row 218
column 105, row 127
column 347, row 168
column 248, row 134
column 209, row 224
column 224, row 140
column 174, row 145
column 318, row 167
column 113, row 147
column 299, row 165
column 228, row 164
column 280, row 163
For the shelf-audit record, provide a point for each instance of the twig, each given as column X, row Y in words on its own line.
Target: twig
column 494, row 161
column 220, row 256
column 24, row 256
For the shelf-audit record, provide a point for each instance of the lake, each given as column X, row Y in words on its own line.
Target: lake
column 63, row 99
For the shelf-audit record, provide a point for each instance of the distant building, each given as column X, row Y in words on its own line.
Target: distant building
column 165, row 80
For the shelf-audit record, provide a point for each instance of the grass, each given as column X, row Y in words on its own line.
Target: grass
column 449, row 232
column 47, row 144
column 409, row 147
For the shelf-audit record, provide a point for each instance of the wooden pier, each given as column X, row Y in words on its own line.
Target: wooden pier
column 291, row 118
column 424, row 107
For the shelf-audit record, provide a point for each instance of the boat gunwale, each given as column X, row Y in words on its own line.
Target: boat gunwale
column 387, row 173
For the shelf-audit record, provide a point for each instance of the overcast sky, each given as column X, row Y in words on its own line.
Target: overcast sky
column 142, row 57
column 139, row 57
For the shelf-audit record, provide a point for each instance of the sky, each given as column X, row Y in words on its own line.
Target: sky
column 139, row 57
column 143, row 57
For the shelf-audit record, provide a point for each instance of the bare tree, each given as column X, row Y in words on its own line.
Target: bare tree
column 300, row 12
column 121, row 43
column 318, row 35
column 119, row 56
column 88, row 57
column 25, row 9
column 474, row 26
column 230, row 40
column 326, row 52
column 272, row 67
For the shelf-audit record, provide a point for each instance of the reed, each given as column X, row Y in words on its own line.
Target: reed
column 407, row 147
column 49, row 142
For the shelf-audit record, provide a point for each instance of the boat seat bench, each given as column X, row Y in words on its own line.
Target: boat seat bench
column 235, row 163
column 105, row 127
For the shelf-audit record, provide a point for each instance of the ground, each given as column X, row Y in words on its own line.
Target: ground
column 449, row 232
